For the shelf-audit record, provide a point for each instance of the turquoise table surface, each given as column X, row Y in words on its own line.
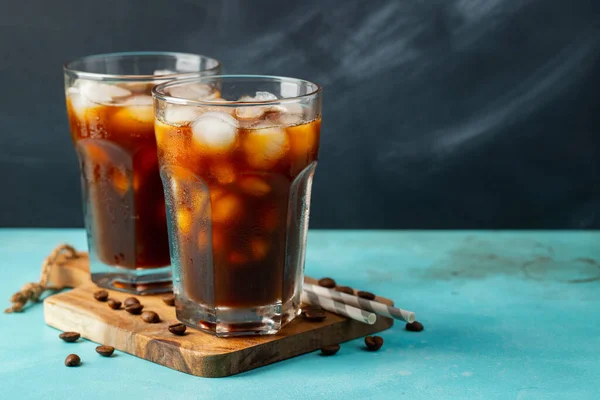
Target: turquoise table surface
column 507, row 315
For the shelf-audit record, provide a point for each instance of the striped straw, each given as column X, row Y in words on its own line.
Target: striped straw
column 338, row 308
column 363, row 304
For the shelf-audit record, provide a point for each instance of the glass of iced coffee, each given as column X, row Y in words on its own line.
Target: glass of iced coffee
column 237, row 169
column 111, row 117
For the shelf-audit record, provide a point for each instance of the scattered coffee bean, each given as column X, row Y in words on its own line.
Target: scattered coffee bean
column 177, row 329
column 345, row 289
column 134, row 309
column 105, row 351
column 327, row 282
column 130, row 301
column 310, row 307
column 150, row 317
column 169, row 300
column 72, row 360
column 314, row 315
column 374, row 343
column 69, row 336
column 101, row 295
column 414, row 326
column 365, row 295
column 330, row 350
column 114, row 304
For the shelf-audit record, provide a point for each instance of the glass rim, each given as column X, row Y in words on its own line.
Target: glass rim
column 158, row 91
column 97, row 76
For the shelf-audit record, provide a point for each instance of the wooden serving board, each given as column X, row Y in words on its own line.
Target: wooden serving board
column 196, row 353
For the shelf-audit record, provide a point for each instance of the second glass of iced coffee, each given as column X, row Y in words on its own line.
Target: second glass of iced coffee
column 111, row 117
column 237, row 169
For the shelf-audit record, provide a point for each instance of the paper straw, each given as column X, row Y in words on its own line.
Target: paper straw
column 339, row 308
column 363, row 304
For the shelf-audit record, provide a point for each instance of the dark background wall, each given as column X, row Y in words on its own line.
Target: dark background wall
column 437, row 113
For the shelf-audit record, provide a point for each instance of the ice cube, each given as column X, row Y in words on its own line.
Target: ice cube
column 86, row 95
column 289, row 119
column 102, row 93
column 215, row 131
column 77, row 103
column 194, row 91
column 265, row 96
column 259, row 97
column 250, row 112
column 138, row 100
column 179, row 115
column 246, row 99
column 287, row 114
column 254, row 186
column 96, row 153
column 134, row 110
column 226, row 208
column 265, row 146
column 254, row 112
column 163, row 72
column 304, row 139
column 292, row 108
column 130, row 118
column 143, row 114
column 161, row 131
column 223, row 172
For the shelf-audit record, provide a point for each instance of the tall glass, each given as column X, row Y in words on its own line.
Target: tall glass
column 111, row 117
column 237, row 170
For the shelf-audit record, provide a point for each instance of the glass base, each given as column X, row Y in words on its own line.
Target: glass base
column 134, row 281
column 232, row 322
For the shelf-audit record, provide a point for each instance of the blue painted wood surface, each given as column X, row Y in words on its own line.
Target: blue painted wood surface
column 507, row 315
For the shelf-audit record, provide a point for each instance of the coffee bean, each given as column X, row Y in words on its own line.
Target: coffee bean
column 345, row 289
column 72, row 360
column 105, row 351
column 114, row 304
column 134, row 309
column 150, row 317
column 414, row 326
column 310, row 307
column 330, row 350
column 101, row 295
column 373, row 343
column 177, row 329
column 327, row 282
column 130, row 301
column 314, row 315
column 169, row 300
column 365, row 295
column 69, row 336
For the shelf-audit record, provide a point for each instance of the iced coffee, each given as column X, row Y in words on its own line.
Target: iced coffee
column 237, row 170
column 111, row 117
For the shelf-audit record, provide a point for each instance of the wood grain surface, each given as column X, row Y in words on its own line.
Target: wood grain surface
column 195, row 353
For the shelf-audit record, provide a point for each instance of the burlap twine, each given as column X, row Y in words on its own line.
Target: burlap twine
column 32, row 291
